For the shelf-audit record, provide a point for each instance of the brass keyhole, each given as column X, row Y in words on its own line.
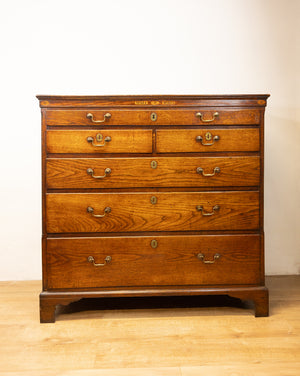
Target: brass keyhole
column 153, row 116
column 153, row 164
column 153, row 200
column 154, row 243
column 99, row 137
column 208, row 136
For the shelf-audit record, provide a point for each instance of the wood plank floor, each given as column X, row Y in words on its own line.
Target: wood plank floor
column 177, row 337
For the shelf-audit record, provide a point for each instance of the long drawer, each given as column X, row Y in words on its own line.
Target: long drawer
column 152, row 172
column 111, row 116
column 132, row 261
column 207, row 140
column 159, row 211
column 102, row 141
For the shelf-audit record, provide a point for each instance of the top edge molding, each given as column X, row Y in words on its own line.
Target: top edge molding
column 138, row 101
column 152, row 96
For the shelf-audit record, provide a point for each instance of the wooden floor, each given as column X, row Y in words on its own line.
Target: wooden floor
column 181, row 339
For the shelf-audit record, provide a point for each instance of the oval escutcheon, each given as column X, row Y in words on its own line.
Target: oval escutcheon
column 153, row 164
column 208, row 136
column 154, row 243
column 153, row 116
column 153, row 200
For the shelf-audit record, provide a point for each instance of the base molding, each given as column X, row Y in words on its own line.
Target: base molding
column 50, row 299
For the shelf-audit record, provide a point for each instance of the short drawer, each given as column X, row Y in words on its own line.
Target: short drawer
column 153, row 211
column 207, row 140
column 104, row 141
column 106, row 117
column 151, row 261
column 139, row 172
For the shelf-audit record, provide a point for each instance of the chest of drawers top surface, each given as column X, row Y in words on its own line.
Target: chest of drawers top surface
column 153, row 100
column 148, row 195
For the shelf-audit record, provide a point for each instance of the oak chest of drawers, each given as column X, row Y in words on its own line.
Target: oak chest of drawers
column 152, row 196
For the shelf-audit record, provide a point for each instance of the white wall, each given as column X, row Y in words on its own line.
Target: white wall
column 151, row 47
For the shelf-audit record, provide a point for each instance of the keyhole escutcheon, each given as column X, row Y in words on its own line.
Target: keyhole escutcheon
column 153, row 116
column 208, row 136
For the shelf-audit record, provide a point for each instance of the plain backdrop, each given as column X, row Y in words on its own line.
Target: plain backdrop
column 146, row 47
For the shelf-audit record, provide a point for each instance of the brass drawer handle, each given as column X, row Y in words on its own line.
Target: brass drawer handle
column 199, row 170
column 201, row 257
column 207, row 120
column 200, row 139
column 91, row 140
column 107, row 260
column 90, row 210
column 200, row 208
column 90, row 171
column 91, row 117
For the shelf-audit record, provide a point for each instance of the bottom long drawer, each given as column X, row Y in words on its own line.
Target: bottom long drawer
column 148, row 261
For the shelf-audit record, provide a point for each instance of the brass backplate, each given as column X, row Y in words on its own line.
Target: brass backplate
column 154, row 243
column 153, row 164
column 208, row 136
column 99, row 137
column 153, row 116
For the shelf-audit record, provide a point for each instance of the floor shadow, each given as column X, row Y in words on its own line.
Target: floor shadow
column 150, row 303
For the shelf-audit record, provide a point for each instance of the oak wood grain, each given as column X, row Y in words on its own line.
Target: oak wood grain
column 122, row 141
column 134, row 263
column 170, row 172
column 67, row 212
column 184, row 140
column 74, row 117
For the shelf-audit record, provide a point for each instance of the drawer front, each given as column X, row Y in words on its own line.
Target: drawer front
column 176, row 260
column 145, row 117
column 155, row 211
column 207, row 140
column 138, row 172
column 102, row 141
